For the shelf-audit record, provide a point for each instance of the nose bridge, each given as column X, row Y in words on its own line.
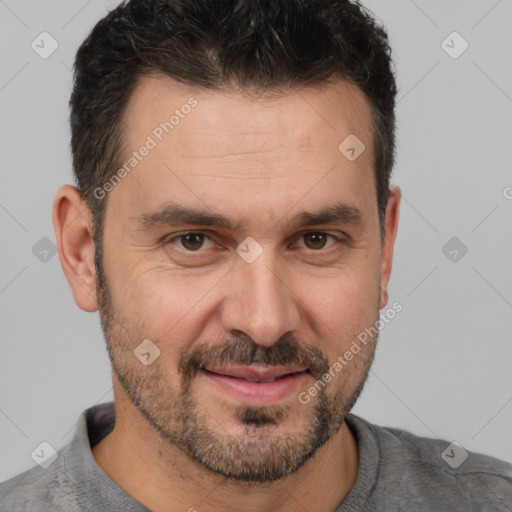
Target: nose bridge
column 260, row 303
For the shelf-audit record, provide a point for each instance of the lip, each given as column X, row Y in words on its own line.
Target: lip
column 233, row 381
column 256, row 372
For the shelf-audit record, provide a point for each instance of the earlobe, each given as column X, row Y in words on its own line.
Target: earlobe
column 73, row 230
column 391, row 229
column 383, row 298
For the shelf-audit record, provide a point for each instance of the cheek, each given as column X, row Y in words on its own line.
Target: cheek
column 350, row 293
column 163, row 306
column 340, row 308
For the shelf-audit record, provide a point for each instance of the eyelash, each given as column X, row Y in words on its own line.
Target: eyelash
column 182, row 235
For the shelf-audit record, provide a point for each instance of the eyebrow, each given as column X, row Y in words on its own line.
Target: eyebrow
column 175, row 214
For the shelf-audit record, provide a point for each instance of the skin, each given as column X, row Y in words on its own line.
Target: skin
column 261, row 160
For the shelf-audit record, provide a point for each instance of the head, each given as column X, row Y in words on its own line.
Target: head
column 220, row 216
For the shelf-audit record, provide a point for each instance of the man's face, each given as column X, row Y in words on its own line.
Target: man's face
column 204, row 299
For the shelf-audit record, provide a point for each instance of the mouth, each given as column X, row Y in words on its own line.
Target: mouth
column 255, row 384
column 256, row 373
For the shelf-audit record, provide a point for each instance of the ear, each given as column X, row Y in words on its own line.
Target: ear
column 391, row 228
column 72, row 222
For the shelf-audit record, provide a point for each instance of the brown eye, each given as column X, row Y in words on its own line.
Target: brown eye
column 316, row 240
column 192, row 241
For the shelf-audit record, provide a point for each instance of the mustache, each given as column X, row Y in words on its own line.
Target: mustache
column 286, row 351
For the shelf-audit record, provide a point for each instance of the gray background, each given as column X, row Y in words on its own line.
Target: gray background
column 443, row 364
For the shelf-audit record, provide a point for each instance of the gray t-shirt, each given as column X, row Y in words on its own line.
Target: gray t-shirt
column 397, row 471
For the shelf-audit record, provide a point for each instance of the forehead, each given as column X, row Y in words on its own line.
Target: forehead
column 229, row 149
column 336, row 108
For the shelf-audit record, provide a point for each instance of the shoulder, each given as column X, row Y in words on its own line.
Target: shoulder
column 29, row 486
column 436, row 470
column 34, row 489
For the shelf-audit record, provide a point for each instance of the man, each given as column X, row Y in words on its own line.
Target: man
column 234, row 225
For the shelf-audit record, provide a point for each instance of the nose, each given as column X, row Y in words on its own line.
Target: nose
column 259, row 301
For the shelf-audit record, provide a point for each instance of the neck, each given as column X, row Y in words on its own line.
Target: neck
column 156, row 473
